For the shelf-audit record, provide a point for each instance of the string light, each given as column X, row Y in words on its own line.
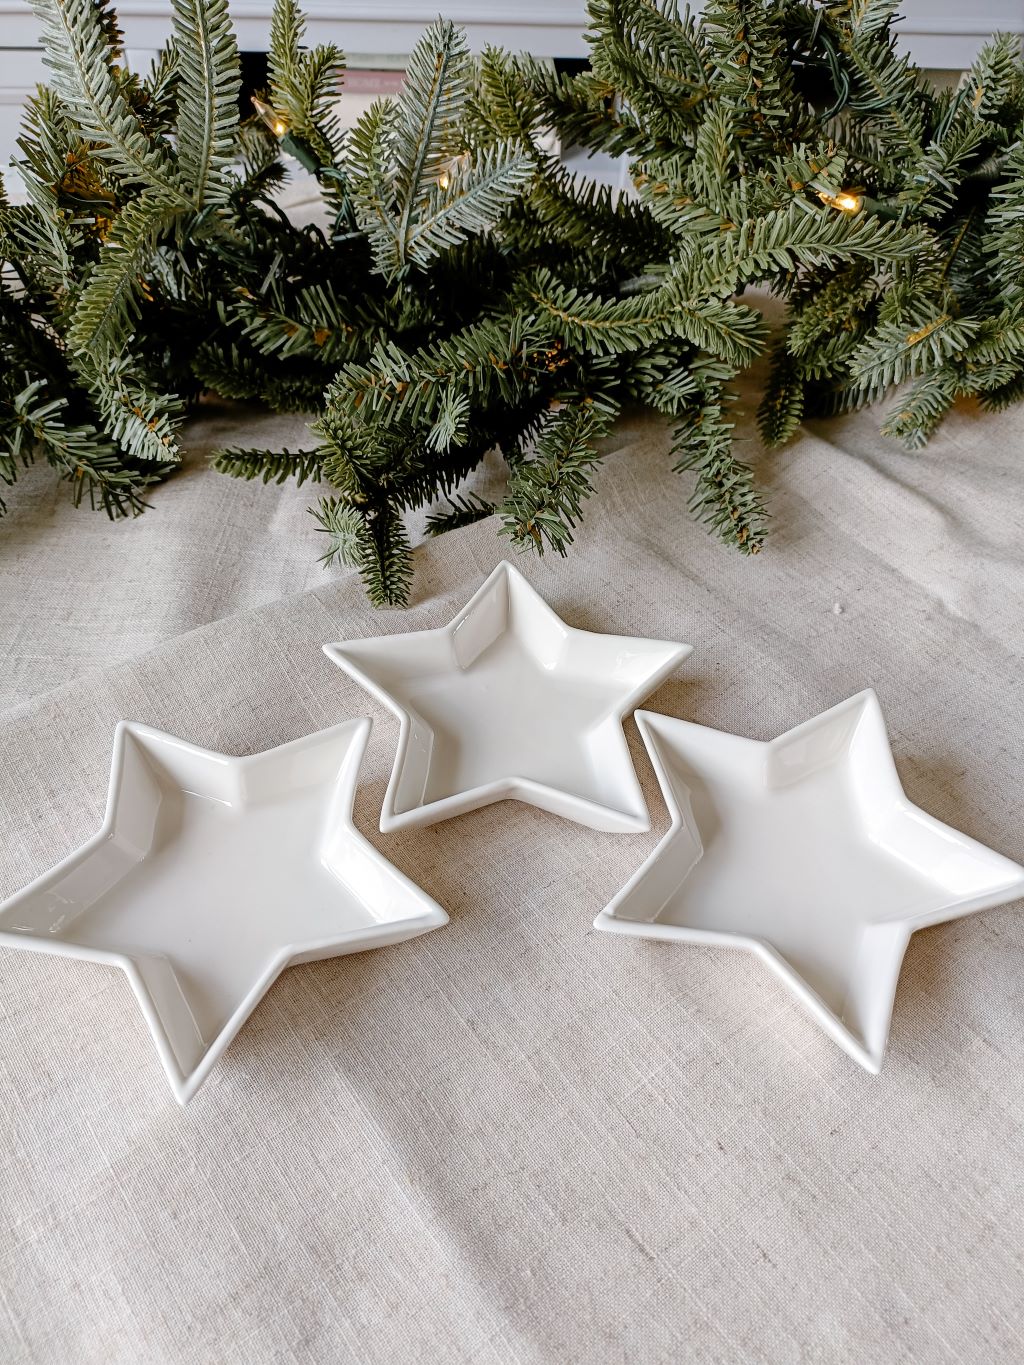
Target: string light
column 451, row 168
column 846, row 201
column 270, row 116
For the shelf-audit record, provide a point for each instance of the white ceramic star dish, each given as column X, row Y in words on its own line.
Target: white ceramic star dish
column 508, row 702
column 807, row 852
column 210, row 875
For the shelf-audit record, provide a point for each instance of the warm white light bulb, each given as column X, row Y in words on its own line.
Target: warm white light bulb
column 270, row 116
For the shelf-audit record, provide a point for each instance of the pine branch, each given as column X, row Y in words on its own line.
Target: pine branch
column 747, row 42
column 269, row 466
column 731, row 331
column 666, row 191
column 653, row 60
column 37, row 232
column 79, row 54
column 161, row 84
column 543, row 506
column 1008, row 394
column 144, row 424
column 662, row 377
column 305, row 84
column 826, row 310
column 782, row 404
column 451, row 423
column 315, row 323
column 892, row 353
column 493, row 360
column 933, row 178
column 208, row 82
column 344, row 526
column 88, row 460
column 109, row 305
column 463, row 510
column 521, row 98
column 711, row 170
column 1004, row 243
column 883, row 85
column 1000, row 339
column 913, row 420
column 469, row 199
column 505, row 99
column 237, row 372
column 725, row 497
column 372, row 179
column 374, row 542
column 799, row 236
column 432, row 96
column 994, row 85
column 576, row 216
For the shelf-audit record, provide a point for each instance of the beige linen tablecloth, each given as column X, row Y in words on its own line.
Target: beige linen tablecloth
column 514, row 1139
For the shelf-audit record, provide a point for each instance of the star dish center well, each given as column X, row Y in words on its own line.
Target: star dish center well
column 509, row 687
column 508, row 701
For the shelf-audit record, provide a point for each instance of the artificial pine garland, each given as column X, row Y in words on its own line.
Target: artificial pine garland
column 469, row 293
column 949, row 318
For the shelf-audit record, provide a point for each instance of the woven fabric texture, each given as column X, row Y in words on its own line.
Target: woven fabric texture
column 515, row 1139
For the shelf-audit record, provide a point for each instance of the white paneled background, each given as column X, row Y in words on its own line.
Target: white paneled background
column 941, row 34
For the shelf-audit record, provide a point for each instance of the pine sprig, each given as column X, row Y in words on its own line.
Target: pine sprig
column 207, row 85
column 373, row 542
column 314, row 323
column 428, row 109
column 915, row 417
column 606, row 327
column 897, row 351
column 724, row 496
column 418, row 192
column 142, row 423
column 269, row 466
column 79, row 52
column 93, row 466
column 304, row 84
column 109, row 305
column 463, row 510
column 782, row 404
column 469, row 199
column 543, row 506
column 345, row 528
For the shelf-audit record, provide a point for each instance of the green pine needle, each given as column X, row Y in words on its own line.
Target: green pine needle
column 208, row 83
column 269, row 466
column 463, row 510
column 543, row 506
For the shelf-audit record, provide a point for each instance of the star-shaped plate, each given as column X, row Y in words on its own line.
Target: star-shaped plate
column 807, row 852
column 210, row 875
column 508, row 702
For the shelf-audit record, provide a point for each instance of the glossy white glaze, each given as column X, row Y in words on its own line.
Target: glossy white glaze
column 509, row 702
column 212, row 874
column 806, row 851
